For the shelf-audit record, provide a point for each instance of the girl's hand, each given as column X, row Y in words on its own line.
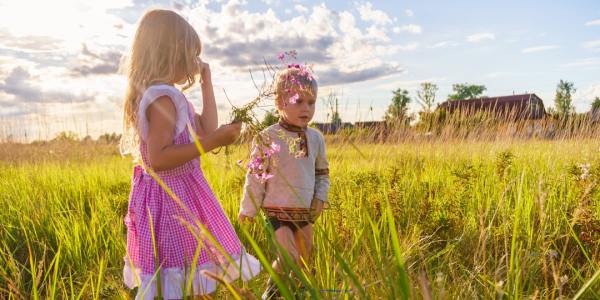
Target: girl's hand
column 227, row 134
column 243, row 219
column 204, row 70
column 316, row 208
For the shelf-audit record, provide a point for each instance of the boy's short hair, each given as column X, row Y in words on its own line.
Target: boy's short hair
column 294, row 78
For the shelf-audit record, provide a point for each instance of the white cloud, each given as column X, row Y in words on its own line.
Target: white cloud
column 498, row 74
column 410, row 28
column 586, row 62
column 367, row 13
column 479, row 37
column 593, row 23
column 583, row 97
column 443, row 44
column 377, row 33
column 410, row 84
column 409, row 12
column 238, row 40
column 301, row 8
column 539, row 48
column 592, row 45
column 408, row 47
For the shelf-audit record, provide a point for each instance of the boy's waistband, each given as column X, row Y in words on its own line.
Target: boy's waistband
column 289, row 213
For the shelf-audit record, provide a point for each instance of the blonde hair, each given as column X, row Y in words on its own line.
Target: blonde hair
column 294, row 79
column 165, row 47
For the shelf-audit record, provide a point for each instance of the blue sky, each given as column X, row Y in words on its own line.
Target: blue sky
column 62, row 75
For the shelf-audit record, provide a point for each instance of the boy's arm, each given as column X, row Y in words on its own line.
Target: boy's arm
column 322, row 174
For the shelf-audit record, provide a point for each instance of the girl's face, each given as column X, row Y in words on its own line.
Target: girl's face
column 182, row 78
column 299, row 113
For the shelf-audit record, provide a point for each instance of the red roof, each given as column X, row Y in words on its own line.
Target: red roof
column 525, row 106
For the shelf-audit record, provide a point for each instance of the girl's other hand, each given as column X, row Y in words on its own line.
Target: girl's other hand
column 243, row 219
column 227, row 134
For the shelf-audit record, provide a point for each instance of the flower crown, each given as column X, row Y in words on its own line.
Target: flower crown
column 295, row 80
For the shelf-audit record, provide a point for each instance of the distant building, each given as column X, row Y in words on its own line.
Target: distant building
column 370, row 125
column 595, row 115
column 515, row 107
column 328, row 128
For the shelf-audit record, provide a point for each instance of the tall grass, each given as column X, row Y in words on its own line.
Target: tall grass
column 435, row 219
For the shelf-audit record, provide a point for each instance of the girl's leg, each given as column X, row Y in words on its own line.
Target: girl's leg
column 304, row 239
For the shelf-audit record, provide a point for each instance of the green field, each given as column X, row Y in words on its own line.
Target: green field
column 503, row 220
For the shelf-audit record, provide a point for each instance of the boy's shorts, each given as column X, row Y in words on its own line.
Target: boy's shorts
column 293, row 218
column 293, row 225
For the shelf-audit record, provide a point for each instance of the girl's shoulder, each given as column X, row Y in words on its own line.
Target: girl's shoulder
column 151, row 94
column 156, row 91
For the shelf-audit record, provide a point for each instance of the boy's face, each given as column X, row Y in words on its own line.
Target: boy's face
column 299, row 113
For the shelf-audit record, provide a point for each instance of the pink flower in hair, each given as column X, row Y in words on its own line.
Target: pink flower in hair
column 294, row 98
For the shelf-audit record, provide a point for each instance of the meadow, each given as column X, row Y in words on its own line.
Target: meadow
column 429, row 219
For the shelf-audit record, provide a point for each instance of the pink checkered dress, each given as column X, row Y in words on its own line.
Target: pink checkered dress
column 177, row 227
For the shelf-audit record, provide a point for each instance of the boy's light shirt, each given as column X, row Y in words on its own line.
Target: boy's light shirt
column 294, row 183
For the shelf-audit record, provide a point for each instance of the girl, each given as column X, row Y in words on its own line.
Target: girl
column 294, row 197
column 175, row 226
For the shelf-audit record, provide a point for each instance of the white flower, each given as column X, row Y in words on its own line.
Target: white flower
column 585, row 171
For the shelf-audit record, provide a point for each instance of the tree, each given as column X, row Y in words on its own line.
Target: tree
column 109, row 138
column 66, row 137
column 466, row 91
column 397, row 112
column 333, row 115
column 271, row 117
column 426, row 96
column 563, row 100
column 596, row 104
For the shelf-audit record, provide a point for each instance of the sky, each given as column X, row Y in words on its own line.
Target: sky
column 59, row 60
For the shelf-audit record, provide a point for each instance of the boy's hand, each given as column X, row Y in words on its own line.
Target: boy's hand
column 316, row 208
column 243, row 219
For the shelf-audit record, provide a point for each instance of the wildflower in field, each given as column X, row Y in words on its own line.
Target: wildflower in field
column 585, row 171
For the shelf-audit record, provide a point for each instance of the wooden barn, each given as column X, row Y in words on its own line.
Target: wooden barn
column 595, row 115
column 370, row 125
column 329, row 128
column 515, row 107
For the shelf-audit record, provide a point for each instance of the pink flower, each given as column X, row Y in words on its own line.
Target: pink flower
column 281, row 56
column 265, row 176
column 294, row 98
column 275, row 147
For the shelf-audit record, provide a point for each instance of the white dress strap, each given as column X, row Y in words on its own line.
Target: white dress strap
column 156, row 91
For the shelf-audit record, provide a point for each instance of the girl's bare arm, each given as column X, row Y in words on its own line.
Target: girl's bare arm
column 163, row 154
column 207, row 121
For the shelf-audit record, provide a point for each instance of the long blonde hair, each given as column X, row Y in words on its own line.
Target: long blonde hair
column 165, row 47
